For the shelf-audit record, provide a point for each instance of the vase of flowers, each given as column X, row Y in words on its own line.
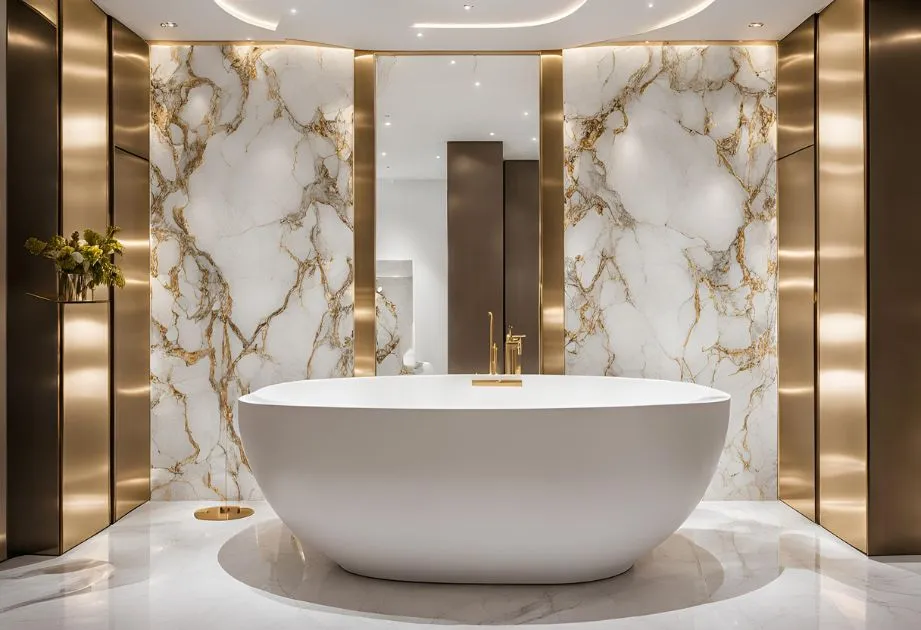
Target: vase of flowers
column 82, row 263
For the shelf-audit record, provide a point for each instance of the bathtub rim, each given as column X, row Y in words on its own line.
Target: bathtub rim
column 708, row 396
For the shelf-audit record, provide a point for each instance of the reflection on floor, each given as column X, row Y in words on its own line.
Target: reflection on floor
column 733, row 565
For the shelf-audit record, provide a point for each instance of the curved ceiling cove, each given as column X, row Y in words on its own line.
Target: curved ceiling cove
column 246, row 11
column 461, row 25
column 526, row 23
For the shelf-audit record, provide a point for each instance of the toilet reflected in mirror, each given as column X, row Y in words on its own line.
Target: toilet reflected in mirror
column 458, row 211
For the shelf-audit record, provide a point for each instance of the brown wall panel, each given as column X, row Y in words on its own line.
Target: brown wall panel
column 2, row 288
column 522, row 256
column 895, row 283
column 842, row 276
column 796, row 89
column 130, row 91
column 85, row 204
column 552, row 323
column 796, row 339
column 32, row 324
column 131, row 336
column 475, row 253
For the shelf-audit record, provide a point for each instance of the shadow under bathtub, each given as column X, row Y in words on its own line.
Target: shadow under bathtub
column 679, row 574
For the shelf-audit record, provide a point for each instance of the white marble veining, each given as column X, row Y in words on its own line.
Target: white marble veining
column 755, row 565
column 252, row 271
column 671, row 239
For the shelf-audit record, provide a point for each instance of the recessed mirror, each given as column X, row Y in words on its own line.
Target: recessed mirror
column 458, row 213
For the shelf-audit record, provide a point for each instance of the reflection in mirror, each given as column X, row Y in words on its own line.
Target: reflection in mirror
column 458, row 212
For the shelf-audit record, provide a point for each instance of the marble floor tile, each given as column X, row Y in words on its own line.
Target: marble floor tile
column 732, row 565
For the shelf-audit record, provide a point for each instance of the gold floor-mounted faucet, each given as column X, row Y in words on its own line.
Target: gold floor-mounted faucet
column 513, row 351
column 514, row 348
column 493, row 348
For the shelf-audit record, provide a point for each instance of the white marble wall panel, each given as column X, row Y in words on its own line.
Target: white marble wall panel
column 251, row 221
column 671, row 238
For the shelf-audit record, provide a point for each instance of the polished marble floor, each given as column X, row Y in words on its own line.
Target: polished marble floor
column 732, row 565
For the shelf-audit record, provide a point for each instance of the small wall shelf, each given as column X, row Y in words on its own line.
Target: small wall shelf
column 55, row 300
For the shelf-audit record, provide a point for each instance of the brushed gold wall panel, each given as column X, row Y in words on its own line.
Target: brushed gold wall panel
column 47, row 8
column 85, row 204
column 796, row 89
column 131, row 336
column 894, row 131
column 84, row 115
column 85, row 410
column 842, row 276
column 552, row 345
column 365, row 177
column 796, row 338
column 130, row 91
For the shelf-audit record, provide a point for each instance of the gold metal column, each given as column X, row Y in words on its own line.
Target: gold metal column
column 797, row 248
column 365, row 222
column 552, row 288
column 85, row 458
column 842, row 276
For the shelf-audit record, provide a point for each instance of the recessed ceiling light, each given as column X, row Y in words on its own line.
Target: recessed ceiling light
column 418, row 34
column 168, row 25
column 477, row 84
column 388, row 123
column 467, row 7
column 384, row 154
column 492, row 133
column 652, row 4
column 293, row 11
column 453, row 62
column 437, row 157
column 755, row 24
column 527, row 114
column 533, row 139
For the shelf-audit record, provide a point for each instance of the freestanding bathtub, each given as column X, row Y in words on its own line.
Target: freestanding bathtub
column 428, row 479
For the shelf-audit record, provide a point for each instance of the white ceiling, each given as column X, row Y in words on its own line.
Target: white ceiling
column 489, row 25
column 430, row 101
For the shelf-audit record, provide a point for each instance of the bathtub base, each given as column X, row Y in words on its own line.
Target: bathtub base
column 511, row 578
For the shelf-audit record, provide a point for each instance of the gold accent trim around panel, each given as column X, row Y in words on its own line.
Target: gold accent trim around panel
column 365, row 223
column 552, row 215
column 842, row 275
column 85, row 413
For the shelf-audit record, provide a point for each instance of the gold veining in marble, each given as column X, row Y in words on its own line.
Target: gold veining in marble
column 191, row 110
column 723, row 100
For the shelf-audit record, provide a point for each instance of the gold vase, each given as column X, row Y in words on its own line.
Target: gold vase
column 74, row 287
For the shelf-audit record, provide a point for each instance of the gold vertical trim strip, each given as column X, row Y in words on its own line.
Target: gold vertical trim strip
column 364, row 173
column 842, row 276
column 552, row 293
column 85, row 412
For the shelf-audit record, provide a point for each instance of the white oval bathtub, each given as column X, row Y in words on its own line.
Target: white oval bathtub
column 428, row 479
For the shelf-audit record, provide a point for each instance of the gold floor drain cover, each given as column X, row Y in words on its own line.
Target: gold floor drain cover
column 224, row 513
